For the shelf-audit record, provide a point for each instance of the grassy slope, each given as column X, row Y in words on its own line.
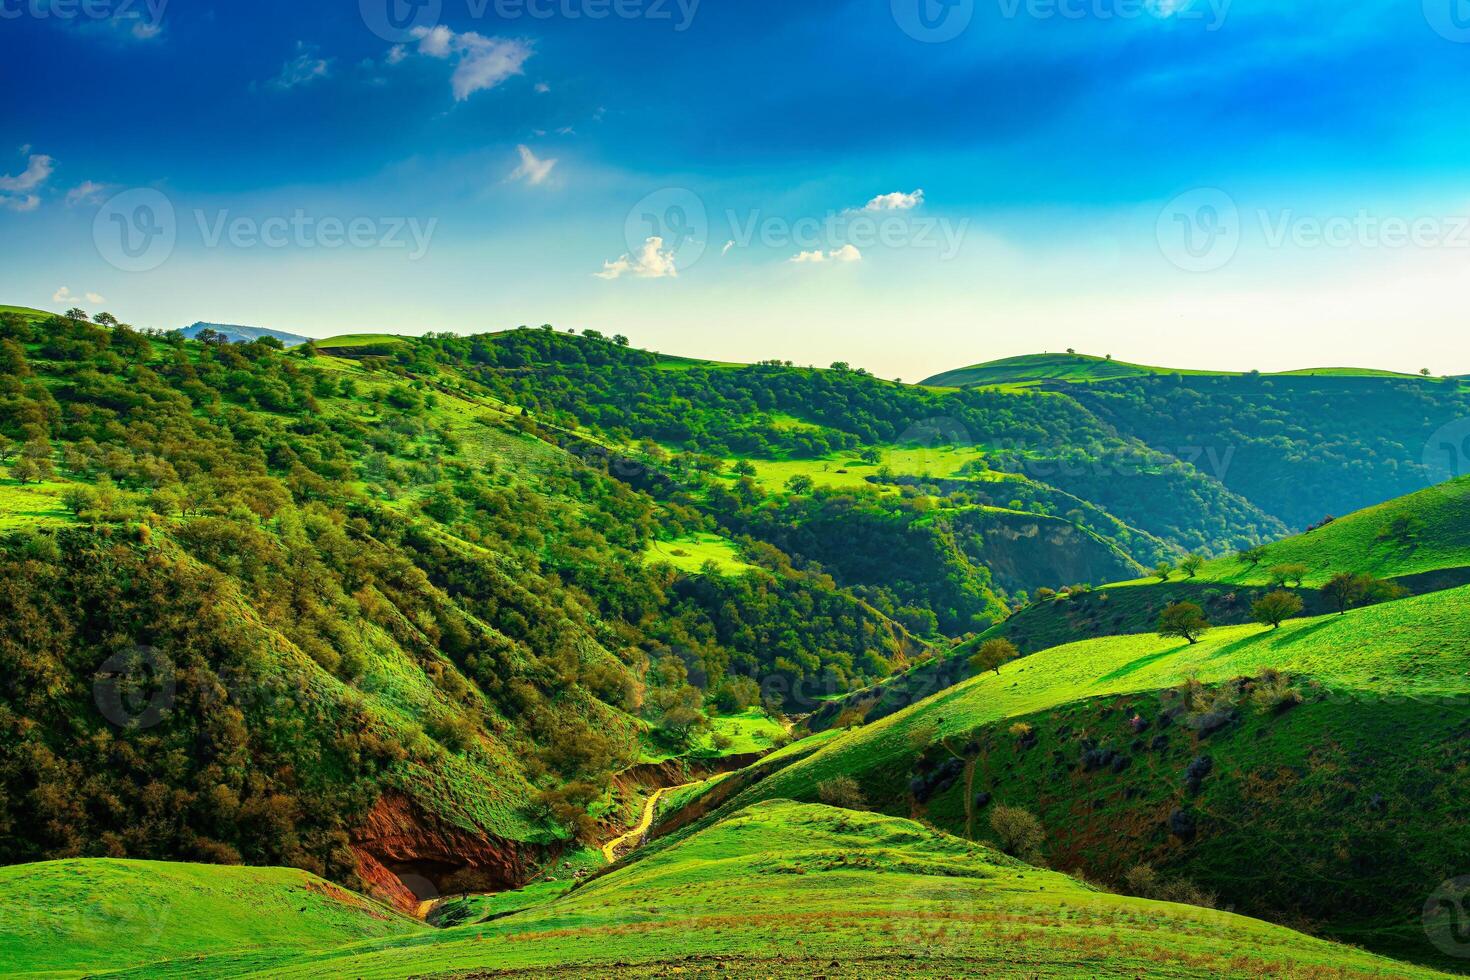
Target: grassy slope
column 1404, row 662
column 1413, row 647
column 66, row 917
column 1441, row 540
column 1225, row 586
column 1082, row 368
column 785, row 889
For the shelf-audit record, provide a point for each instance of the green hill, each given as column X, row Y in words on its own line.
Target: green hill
column 788, row 890
column 1032, row 368
column 1083, row 368
column 1359, row 763
column 70, row 918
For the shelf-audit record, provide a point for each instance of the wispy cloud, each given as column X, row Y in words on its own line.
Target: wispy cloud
column 651, row 262
column 532, row 170
column 303, row 69
column 18, row 192
column 87, row 192
column 847, row 253
column 481, row 63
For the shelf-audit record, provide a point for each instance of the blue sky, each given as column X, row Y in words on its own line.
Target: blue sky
column 905, row 184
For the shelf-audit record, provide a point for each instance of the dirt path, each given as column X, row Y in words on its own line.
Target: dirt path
column 609, row 850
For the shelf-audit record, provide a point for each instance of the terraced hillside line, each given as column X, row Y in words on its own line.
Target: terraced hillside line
column 609, row 850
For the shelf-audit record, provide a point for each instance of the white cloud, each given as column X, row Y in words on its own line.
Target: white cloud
column 897, row 201
column 87, row 192
column 144, row 31
column 726, row 250
column 481, row 63
column 542, row 88
column 651, row 262
column 64, row 295
column 303, row 69
column 18, row 192
column 532, row 170
column 396, row 54
column 847, row 253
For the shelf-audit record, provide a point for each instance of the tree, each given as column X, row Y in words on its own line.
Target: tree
column 25, row 471
column 1184, row 620
column 1163, row 570
column 743, row 467
column 620, row 340
column 106, row 319
column 871, row 455
column 1251, row 557
column 1292, row 573
column 1192, row 564
column 76, row 314
column 1345, row 590
column 800, row 483
column 1275, row 608
column 1020, row 833
column 993, row 655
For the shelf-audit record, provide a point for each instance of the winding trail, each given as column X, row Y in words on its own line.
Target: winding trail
column 609, row 850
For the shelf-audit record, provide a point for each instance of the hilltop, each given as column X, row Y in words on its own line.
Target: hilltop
column 1071, row 368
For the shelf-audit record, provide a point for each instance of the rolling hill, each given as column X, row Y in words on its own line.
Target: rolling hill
column 1335, row 758
column 438, row 615
column 1084, row 368
column 777, row 890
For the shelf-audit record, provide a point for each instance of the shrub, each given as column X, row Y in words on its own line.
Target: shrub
column 1019, row 831
column 1143, row 881
column 842, row 791
column 1274, row 692
column 1021, row 730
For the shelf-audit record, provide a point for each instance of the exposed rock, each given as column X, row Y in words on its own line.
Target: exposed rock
column 399, row 844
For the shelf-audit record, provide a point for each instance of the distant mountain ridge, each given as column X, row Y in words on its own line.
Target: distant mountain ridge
column 238, row 334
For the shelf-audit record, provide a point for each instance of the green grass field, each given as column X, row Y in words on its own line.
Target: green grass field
column 31, row 504
column 689, row 554
column 69, row 918
column 794, row 890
